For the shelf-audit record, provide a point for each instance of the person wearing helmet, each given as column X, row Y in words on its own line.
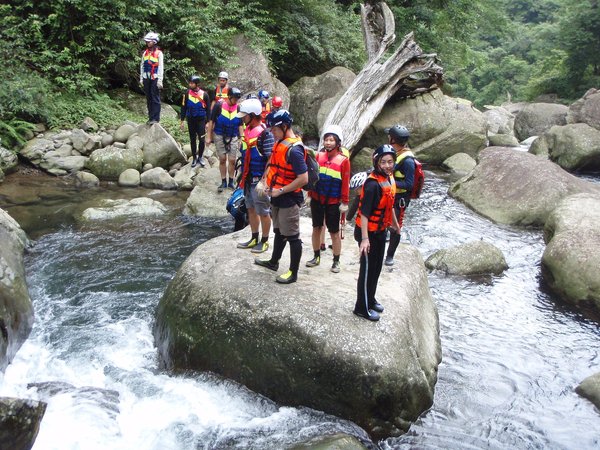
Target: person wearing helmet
column 375, row 215
column 227, row 128
column 264, row 98
column 257, row 144
column 195, row 109
column 221, row 92
column 404, row 174
column 330, row 200
column 276, row 104
column 151, row 76
column 286, row 174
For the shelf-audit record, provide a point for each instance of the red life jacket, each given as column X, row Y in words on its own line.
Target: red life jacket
column 281, row 173
column 253, row 160
column 329, row 187
column 381, row 216
column 266, row 109
column 150, row 59
column 221, row 93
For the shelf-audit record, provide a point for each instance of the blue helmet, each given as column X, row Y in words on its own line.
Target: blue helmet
column 262, row 94
column 281, row 117
column 385, row 149
column 236, row 205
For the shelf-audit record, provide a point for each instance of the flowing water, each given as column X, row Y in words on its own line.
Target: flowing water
column 511, row 355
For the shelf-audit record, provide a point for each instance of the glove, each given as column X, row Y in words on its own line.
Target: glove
column 159, row 85
column 261, row 189
column 343, row 208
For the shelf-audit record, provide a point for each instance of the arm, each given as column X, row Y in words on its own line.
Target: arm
column 142, row 69
column 408, row 169
column 183, row 108
column 299, row 165
column 161, row 69
column 346, row 181
column 206, row 99
column 300, row 181
column 371, row 194
column 365, row 245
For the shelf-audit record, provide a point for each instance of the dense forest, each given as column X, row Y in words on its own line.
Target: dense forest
column 63, row 56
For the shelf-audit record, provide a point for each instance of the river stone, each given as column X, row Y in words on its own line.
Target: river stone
column 135, row 142
column 440, row 126
column 301, row 344
column 16, row 309
column 79, row 138
column 499, row 120
column 572, row 256
column 158, row 178
column 8, row 160
column 86, row 179
column 147, row 167
column 20, row 421
column 61, row 165
column 124, row 209
column 130, row 178
column 503, row 140
column 460, row 163
column 471, row 258
column 187, row 149
column 586, row 109
column 35, row 149
column 574, row 147
column 308, row 94
column 333, row 442
column 108, row 163
column 106, row 140
column 88, row 124
column 123, row 132
column 515, row 187
column 204, row 200
column 185, row 177
column 539, row 147
column 537, row 118
column 160, row 149
column 590, row 389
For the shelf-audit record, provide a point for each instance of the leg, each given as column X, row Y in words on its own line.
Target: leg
column 394, row 236
column 231, row 167
column 332, row 219
column 147, row 92
column 376, row 255
column 200, row 131
column 289, row 223
column 252, row 219
column 155, row 116
column 317, row 212
column 223, row 166
column 192, row 132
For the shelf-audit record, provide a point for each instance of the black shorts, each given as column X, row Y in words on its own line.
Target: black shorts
column 328, row 213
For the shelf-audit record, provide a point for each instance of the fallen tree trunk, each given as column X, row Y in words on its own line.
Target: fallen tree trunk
column 408, row 71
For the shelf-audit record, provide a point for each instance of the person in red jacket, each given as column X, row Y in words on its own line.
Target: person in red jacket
column 330, row 200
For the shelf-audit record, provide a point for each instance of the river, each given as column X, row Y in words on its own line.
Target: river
column 511, row 354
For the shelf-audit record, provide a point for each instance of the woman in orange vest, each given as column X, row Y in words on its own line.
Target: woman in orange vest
column 151, row 76
column 375, row 215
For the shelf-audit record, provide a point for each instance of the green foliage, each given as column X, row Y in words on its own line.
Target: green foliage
column 13, row 132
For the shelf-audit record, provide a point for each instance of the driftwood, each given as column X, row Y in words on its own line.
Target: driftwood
column 407, row 72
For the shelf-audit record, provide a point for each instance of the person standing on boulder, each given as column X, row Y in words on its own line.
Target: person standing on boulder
column 375, row 215
column 264, row 96
column 227, row 128
column 151, row 76
column 404, row 176
column 286, row 174
column 258, row 146
column 222, row 90
column 194, row 108
column 330, row 200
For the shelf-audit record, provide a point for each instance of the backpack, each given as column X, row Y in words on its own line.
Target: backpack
column 419, row 180
column 311, row 164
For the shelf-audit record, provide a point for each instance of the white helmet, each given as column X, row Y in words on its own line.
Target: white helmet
column 223, row 75
column 151, row 36
column 250, row 106
column 334, row 129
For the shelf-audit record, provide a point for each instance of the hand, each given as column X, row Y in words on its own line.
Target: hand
column 364, row 247
column 343, row 208
column 261, row 189
column 181, row 125
column 159, row 85
column 208, row 140
column 275, row 193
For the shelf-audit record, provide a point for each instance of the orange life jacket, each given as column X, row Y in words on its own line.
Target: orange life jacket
column 381, row 217
column 221, row 93
column 150, row 59
column 329, row 188
column 266, row 109
column 281, row 173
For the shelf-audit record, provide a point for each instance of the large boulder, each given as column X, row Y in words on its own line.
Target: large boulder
column 471, row 258
column 124, row 132
column 61, row 165
column 108, row 163
column 586, row 109
column 573, row 147
column 158, row 178
column 160, row 149
column 537, row 118
column 129, row 178
column 572, row 256
column 301, row 344
column 250, row 71
column 124, row 209
column 514, row 187
column 204, row 200
column 590, row 389
column 309, row 95
column 460, row 164
column 20, row 421
column 500, row 126
column 16, row 309
column 440, row 126
column 185, row 177
column 55, row 154
column 35, row 150
column 8, row 160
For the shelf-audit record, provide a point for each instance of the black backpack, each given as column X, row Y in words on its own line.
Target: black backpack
column 311, row 164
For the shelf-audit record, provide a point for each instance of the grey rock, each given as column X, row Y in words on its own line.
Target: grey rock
column 106, row 140
column 120, row 145
column 160, row 149
column 224, row 314
column 8, row 160
column 147, row 167
column 460, row 163
column 20, row 421
column 88, row 124
column 16, row 309
column 61, row 165
column 337, row 441
column 586, row 109
column 529, row 141
column 308, row 94
column 363, row 160
column 590, row 389
column 515, row 187
column 158, row 178
column 204, row 200
column 135, row 142
column 572, row 256
column 129, row 178
column 440, row 126
column 499, row 120
column 35, row 149
column 108, row 163
column 574, row 147
column 187, row 149
column 172, row 172
column 79, row 138
column 39, row 128
column 539, row 147
column 123, row 132
column 471, row 258
column 124, row 209
column 185, row 177
column 503, row 140
column 176, row 166
column 537, row 118
column 86, row 179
